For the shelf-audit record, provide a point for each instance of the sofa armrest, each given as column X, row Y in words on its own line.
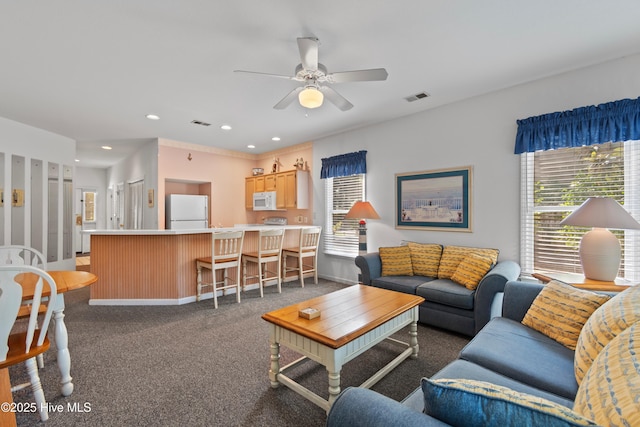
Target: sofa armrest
column 356, row 407
column 492, row 283
column 370, row 267
column 518, row 297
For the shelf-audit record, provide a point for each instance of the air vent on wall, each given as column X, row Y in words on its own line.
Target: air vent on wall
column 417, row 96
column 198, row 122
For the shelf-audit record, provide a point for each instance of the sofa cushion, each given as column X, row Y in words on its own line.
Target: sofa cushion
column 425, row 258
column 472, row 403
column 406, row 284
column 463, row 369
column 452, row 255
column 609, row 391
column 444, row 291
column 611, row 318
column 396, row 261
column 519, row 352
column 560, row 311
column 471, row 270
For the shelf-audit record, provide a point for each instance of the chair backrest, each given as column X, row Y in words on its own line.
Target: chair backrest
column 14, row 279
column 226, row 245
column 271, row 242
column 22, row 255
column 309, row 239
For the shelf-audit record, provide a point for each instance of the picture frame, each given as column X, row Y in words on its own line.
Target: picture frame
column 438, row 200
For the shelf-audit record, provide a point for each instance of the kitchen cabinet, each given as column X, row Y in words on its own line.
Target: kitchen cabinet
column 292, row 190
column 291, row 187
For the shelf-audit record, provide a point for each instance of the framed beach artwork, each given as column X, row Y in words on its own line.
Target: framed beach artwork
column 434, row 200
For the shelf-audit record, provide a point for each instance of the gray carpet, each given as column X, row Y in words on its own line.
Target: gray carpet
column 191, row 365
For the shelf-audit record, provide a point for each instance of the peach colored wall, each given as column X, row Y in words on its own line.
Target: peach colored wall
column 225, row 174
column 220, row 174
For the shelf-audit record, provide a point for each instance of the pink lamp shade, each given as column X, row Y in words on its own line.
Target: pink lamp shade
column 599, row 248
column 362, row 211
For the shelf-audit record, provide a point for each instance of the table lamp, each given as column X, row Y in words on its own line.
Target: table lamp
column 362, row 211
column 599, row 248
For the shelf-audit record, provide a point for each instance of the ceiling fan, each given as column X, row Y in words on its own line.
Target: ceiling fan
column 314, row 77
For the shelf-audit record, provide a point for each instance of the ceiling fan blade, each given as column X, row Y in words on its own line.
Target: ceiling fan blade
column 337, row 99
column 308, row 47
column 280, row 76
column 287, row 100
column 374, row 74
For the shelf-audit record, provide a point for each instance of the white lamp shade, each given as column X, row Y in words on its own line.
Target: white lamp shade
column 601, row 212
column 310, row 97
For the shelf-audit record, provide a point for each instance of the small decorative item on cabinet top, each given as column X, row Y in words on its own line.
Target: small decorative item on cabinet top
column 258, row 171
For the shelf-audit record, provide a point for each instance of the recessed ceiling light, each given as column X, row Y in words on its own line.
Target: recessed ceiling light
column 107, row 147
column 77, row 160
column 152, row 117
column 251, row 146
column 275, row 138
column 225, row 127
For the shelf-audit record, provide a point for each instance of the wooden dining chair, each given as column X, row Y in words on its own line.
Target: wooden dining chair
column 269, row 251
column 307, row 249
column 32, row 340
column 226, row 250
column 24, row 255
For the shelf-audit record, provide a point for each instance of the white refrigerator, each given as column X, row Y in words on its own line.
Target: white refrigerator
column 186, row 212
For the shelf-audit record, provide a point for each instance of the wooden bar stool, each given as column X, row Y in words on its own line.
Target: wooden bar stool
column 226, row 250
column 307, row 249
column 269, row 250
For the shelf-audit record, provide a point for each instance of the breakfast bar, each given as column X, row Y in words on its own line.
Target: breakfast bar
column 157, row 267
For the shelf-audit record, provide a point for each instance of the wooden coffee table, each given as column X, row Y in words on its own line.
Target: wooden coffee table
column 352, row 320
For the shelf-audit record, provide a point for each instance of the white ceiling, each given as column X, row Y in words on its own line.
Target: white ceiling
column 92, row 70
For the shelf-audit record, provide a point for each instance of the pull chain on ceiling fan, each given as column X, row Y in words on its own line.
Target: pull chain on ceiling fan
column 315, row 77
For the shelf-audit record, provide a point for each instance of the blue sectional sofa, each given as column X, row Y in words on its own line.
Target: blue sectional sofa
column 447, row 304
column 528, row 364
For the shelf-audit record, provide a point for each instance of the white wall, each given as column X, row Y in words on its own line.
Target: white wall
column 33, row 144
column 479, row 132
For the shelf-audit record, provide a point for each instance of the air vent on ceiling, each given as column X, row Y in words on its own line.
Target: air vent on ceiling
column 198, row 122
column 417, row 96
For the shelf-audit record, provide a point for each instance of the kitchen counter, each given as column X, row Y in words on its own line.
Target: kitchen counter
column 157, row 267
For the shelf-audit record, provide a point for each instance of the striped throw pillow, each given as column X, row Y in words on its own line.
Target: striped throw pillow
column 609, row 391
column 471, row 270
column 453, row 255
column 613, row 317
column 560, row 311
column 425, row 258
column 396, row 261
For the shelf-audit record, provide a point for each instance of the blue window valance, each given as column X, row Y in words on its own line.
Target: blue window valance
column 596, row 124
column 344, row 165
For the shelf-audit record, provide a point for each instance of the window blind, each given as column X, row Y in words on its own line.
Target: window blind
column 341, row 235
column 556, row 182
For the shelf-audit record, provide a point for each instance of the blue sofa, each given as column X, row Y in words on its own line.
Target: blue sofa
column 447, row 304
column 504, row 353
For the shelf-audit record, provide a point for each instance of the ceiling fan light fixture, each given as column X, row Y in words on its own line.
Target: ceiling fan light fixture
column 310, row 97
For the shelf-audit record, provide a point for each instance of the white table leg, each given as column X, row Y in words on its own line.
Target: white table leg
column 413, row 339
column 62, row 344
column 275, row 364
column 334, row 387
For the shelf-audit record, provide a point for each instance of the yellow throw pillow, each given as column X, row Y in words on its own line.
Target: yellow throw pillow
column 396, row 261
column 560, row 310
column 425, row 258
column 471, row 270
column 613, row 317
column 453, row 255
column 609, row 391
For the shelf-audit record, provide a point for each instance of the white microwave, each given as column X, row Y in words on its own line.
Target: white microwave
column 264, row 201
